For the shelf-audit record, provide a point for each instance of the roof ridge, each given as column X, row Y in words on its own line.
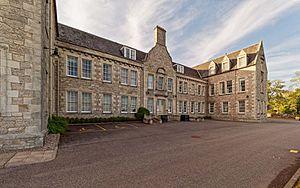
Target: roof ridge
column 226, row 54
column 99, row 37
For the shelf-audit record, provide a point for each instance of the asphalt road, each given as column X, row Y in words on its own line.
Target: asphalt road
column 199, row 154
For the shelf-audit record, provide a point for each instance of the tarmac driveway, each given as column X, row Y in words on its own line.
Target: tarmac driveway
column 189, row 154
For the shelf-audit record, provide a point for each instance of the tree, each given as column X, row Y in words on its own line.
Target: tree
column 295, row 80
column 277, row 96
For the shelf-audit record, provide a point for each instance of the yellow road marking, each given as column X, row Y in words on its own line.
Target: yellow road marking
column 294, row 151
column 100, row 127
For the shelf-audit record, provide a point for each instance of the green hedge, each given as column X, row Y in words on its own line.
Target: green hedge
column 99, row 120
column 57, row 125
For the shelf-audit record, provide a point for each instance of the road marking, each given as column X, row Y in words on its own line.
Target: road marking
column 100, row 127
column 294, row 151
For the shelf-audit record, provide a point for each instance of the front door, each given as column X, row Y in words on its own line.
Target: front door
column 160, row 106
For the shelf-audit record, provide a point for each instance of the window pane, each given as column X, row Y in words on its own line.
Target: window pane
column 229, row 86
column 185, row 106
column 150, row 81
column 106, row 103
column 192, row 106
column 185, row 87
column 133, row 81
column 72, row 66
column 242, row 84
column 133, row 104
column 124, row 76
column 160, row 83
column 72, row 100
column 124, row 103
column 180, row 107
column 107, row 72
column 86, row 68
column 225, row 107
column 86, row 102
column 170, row 105
column 150, row 103
column 170, row 84
column 242, row 106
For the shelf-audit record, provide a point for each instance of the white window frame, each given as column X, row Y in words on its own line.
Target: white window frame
column 160, row 83
column 124, row 76
column 203, row 91
column 83, row 61
column 199, row 107
column 150, row 108
column 68, row 63
column 133, row 104
column 228, row 87
column 170, row 106
column 192, row 107
column 222, row 88
column 199, row 92
column 210, row 108
column 106, row 103
column 107, row 74
column 185, row 87
column 212, row 89
column 185, row 107
column 203, row 107
column 170, row 84
column 239, row 105
column 84, row 102
column 75, row 101
column 240, row 84
column 212, row 69
column 222, row 107
column 180, row 106
column 129, row 53
column 180, row 86
column 152, row 81
column 224, row 68
column 133, row 77
column 124, row 104
column 180, row 69
column 192, row 89
column 239, row 65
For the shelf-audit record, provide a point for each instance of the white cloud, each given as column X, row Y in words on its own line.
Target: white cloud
column 246, row 17
column 130, row 22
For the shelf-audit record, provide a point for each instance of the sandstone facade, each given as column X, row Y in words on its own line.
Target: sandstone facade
column 24, row 63
column 48, row 68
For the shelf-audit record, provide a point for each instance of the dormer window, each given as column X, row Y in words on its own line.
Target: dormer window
column 129, row 53
column 242, row 61
column 225, row 66
column 212, row 68
column 180, row 69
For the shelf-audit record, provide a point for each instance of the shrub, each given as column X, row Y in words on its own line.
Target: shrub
column 141, row 112
column 57, row 125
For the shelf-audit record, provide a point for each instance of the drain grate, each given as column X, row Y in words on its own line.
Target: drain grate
column 195, row 136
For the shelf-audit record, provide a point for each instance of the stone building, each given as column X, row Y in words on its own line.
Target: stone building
column 53, row 69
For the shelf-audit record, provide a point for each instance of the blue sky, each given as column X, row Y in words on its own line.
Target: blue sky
column 197, row 30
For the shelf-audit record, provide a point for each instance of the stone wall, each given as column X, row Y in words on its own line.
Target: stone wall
column 95, row 85
column 249, row 95
column 22, row 56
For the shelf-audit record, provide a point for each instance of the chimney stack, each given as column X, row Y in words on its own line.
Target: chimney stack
column 159, row 36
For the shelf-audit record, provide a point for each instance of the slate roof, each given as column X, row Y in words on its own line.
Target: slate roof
column 80, row 38
column 251, row 51
column 188, row 71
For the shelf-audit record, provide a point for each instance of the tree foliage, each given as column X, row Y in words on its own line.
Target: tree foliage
column 282, row 101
